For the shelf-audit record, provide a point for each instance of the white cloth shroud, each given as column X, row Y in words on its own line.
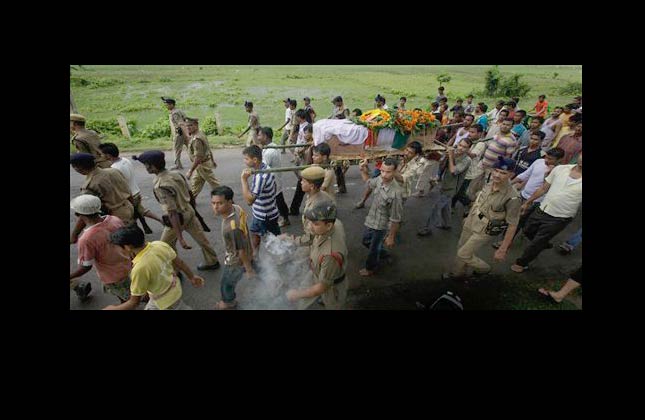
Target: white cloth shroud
column 346, row 131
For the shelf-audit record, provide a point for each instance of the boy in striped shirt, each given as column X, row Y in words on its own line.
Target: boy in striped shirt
column 261, row 196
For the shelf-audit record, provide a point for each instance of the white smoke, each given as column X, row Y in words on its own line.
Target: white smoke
column 281, row 265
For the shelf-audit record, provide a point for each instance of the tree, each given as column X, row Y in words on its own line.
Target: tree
column 493, row 80
column 443, row 78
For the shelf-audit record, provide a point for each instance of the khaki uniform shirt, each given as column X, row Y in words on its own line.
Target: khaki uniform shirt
column 200, row 148
column 173, row 194
column 176, row 117
column 503, row 204
column 88, row 141
column 109, row 185
column 411, row 171
column 387, row 205
column 328, row 183
column 326, row 268
column 310, row 202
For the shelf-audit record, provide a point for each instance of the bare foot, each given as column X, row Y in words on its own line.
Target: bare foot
column 221, row 305
column 549, row 293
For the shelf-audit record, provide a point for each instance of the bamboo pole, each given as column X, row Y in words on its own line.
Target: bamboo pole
column 286, row 146
column 287, row 169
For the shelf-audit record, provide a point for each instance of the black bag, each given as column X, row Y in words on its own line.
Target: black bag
column 447, row 302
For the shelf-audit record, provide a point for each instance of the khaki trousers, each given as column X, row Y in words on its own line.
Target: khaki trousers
column 201, row 175
column 125, row 212
column 180, row 142
column 469, row 243
column 194, row 229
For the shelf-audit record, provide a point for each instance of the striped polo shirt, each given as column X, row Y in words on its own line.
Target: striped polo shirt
column 264, row 189
column 499, row 146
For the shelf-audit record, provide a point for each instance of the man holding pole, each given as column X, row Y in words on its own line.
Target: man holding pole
column 271, row 157
column 261, row 196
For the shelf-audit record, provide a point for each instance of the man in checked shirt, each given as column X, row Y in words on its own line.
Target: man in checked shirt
column 384, row 217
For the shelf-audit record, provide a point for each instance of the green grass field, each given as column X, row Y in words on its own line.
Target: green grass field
column 102, row 93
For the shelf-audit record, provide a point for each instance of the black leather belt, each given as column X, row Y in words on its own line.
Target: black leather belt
column 339, row 279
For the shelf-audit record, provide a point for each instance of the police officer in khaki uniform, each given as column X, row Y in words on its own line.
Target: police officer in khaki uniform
column 312, row 179
column 498, row 202
column 201, row 156
column 254, row 125
column 86, row 141
column 172, row 192
column 327, row 259
column 180, row 139
column 107, row 184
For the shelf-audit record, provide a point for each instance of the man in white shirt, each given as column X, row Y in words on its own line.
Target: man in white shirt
column 271, row 157
column 495, row 125
column 289, row 117
column 562, row 191
column 530, row 180
column 494, row 113
column 111, row 152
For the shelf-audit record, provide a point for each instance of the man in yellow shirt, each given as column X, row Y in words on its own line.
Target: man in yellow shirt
column 153, row 271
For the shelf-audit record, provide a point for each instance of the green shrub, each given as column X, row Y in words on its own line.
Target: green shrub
column 111, row 127
column 571, row 88
column 78, row 81
column 158, row 129
column 496, row 85
column 104, row 126
column 209, row 126
column 94, row 83
column 513, row 86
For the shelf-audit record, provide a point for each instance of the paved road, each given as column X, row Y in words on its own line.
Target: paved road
column 418, row 262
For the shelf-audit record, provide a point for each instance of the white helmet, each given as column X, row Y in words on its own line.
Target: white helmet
column 86, row 204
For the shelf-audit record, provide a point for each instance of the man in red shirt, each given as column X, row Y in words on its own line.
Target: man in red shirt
column 95, row 249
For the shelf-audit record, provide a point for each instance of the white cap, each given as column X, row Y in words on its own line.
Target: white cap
column 86, row 204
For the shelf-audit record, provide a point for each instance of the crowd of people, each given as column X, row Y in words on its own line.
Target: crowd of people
column 513, row 170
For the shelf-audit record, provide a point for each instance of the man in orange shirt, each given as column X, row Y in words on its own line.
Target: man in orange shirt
column 541, row 107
